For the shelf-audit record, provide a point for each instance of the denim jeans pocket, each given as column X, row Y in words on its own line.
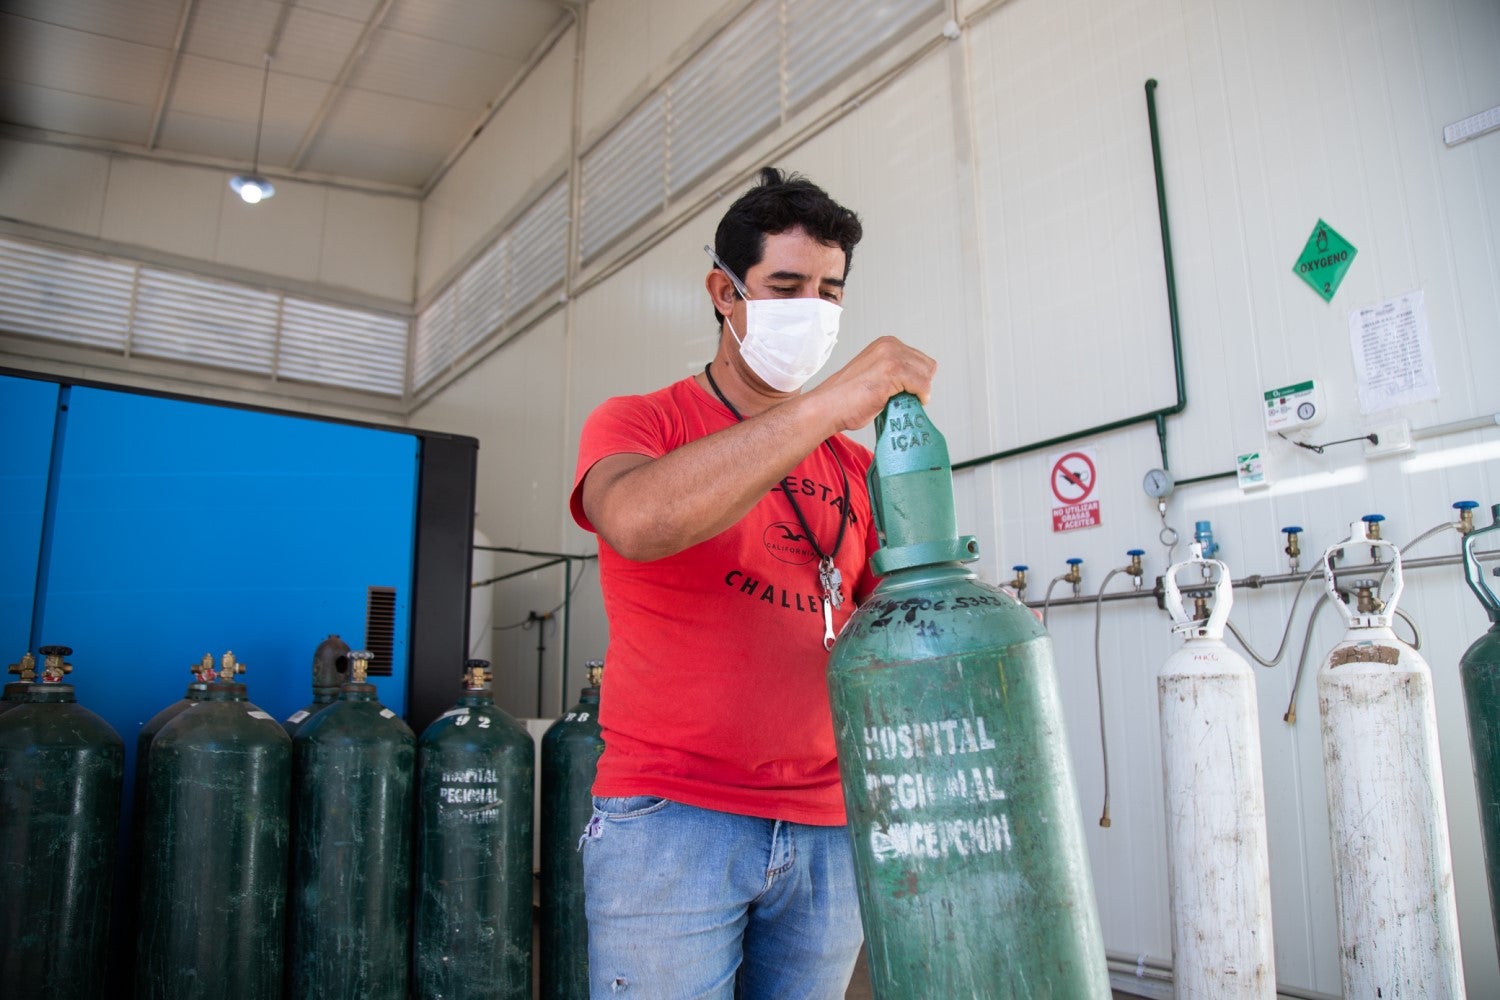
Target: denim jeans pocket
column 628, row 806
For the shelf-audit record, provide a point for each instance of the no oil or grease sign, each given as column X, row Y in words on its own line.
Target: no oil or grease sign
column 1071, row 488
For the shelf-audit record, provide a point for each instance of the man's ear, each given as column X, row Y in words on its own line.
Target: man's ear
column 720, row 290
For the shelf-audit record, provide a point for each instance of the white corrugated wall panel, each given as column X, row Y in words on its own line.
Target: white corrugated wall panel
column 541, row 248
column 624, row 177
column 523, row 146
column 56, row 295
column 736, row 79
column 819, row 47
column 331, row 345
column 435, row 338
column 184, row 318
column 482, row 305
column 630, row 45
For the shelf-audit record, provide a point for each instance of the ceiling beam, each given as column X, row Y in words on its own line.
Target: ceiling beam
column 165, row 94
column 338, row 86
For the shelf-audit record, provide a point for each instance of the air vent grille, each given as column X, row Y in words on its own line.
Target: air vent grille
column 380, row 630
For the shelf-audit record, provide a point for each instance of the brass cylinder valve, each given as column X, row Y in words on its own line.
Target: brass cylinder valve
column 595, row 671
column 53, row 665
column 1366, row 603
column 1074, row 575
column 204, row 670
column 1293, row 550
column 477, row 674
column 229, row 667
column 1465, row 510
column 359, row 666
column 1372, row 532
column 1018, row 582
column 25, row 668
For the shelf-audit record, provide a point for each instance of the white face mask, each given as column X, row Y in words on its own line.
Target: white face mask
column 787, row 341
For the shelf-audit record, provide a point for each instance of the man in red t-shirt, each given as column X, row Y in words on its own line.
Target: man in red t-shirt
column 734, row 533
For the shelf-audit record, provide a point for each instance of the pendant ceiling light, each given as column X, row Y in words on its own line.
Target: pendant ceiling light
column 252, row 187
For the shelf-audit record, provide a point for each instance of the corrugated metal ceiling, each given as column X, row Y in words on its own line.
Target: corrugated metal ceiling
column 374, row 92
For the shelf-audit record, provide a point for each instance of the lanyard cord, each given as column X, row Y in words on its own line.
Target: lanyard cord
column 823, row 557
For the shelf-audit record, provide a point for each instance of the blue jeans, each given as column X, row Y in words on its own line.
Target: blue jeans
column 686, row 903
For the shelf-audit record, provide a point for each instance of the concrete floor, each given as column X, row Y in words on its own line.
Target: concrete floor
column 859, row 985
column 860, row 989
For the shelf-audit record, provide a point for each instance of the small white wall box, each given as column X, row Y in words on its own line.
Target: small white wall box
column 1293, row 407
column 1250, row 470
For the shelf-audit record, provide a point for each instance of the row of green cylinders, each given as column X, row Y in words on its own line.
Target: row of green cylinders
column 340, row 858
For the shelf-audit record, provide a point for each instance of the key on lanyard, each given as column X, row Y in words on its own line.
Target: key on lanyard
column 833, row 596
column 832, row 581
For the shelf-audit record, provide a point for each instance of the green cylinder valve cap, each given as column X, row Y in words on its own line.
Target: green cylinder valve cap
column 911, row 492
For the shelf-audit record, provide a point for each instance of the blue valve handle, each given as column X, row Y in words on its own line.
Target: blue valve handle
column 1473, row 574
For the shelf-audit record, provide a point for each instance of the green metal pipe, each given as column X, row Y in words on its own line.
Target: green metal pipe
column 1208, row 478
column 522, row 572
column 1168, row 266
column 1157, row 416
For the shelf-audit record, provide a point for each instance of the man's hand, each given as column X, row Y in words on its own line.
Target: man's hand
column 857, row 392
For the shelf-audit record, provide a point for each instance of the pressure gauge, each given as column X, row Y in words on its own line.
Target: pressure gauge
column 1158, row 483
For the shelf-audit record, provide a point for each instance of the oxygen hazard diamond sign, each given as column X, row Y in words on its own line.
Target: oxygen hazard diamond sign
column 1325, row 260
column 1071, row 485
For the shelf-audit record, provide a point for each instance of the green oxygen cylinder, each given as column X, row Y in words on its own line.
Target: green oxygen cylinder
column 25, row 670
column 61, row 768
column 1480, row 671
column 968, row 844
column 475, row 777
column 204, row 674
column 350, row 895
column 570, row 756
column 330, row 668
column 214, row 850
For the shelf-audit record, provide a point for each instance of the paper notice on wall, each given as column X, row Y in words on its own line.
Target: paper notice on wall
column 1393, row 359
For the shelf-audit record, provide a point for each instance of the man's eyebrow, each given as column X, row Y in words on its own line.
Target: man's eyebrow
column 799, row 276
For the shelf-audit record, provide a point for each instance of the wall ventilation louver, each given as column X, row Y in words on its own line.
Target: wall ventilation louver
column 768, row 64
column 528, row 261
column 380, row 630
column 130, row 309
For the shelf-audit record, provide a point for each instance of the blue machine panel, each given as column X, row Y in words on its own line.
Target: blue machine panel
column 28, row 410
column 184, row 528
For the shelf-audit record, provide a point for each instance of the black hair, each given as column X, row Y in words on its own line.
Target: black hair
column 778, row 203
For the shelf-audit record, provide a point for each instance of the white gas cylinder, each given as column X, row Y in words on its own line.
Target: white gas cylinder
column 1217, row 861
column 1387, row 818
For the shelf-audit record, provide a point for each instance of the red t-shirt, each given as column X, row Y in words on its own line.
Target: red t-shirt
column 714, row 690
